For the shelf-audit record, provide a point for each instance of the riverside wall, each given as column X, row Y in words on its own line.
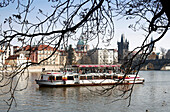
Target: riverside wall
column 39, row 68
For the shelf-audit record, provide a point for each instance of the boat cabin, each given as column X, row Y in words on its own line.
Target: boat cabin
column 86, row 69
column 86, row 75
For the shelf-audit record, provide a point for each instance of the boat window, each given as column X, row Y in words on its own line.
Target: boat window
column 89, row 77
column 82, row 77
column 58, row 77
column 51, row 77
column 96, row 77
column 102, row 77
column 115, row 76
column 108, row 77
column 70, row 78
column 76, row 76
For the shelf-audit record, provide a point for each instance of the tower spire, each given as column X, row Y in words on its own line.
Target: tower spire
column 122, row 38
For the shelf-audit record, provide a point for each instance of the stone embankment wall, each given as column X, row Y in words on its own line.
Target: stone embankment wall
column 39, row 68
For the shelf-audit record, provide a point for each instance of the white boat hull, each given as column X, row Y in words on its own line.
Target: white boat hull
column 86, row 82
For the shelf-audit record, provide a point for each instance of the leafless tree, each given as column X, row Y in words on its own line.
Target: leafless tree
column 69, row 19
column 163, row 51
column 85, row 60
column 151, row 16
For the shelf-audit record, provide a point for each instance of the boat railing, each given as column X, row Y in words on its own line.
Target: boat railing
column 51, row 71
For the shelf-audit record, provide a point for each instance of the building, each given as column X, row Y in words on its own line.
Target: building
column 16, row 60
column 115, row 56
column 80, row 56
column 62, row 57
column 6, row 51
column 152, row 56
column 42, row 52
column 168, row 54
column 103, row 56
column 2, row 58
column 75, row 54
column 123, row 48
column 81, row 45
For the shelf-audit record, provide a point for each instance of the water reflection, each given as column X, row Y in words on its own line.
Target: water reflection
column 82, row 94
column 153, row 95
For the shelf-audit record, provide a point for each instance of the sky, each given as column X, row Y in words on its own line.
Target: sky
column 121, row 27
column 136, row 38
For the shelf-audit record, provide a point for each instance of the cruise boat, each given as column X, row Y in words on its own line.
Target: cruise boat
column 88, row 75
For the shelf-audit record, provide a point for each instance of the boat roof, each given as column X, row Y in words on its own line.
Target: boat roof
column 59, row 74
column 53, row 74
column 96, row 74
column 73, row 74
column 81, row 66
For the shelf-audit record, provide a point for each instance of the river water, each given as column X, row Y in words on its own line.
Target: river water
column 153, row 95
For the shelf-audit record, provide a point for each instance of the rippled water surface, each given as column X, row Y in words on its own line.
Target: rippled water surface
column 153, row 95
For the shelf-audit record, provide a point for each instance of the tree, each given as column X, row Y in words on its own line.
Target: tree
column 163, row 51
column 69, row 19
column 85, row 60
column 151, row 16
column 71, row 56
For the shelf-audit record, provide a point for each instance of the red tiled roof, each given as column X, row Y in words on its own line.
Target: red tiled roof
column 28, row 58
column 1, row 51
column 45, row 47
column 12, row 57
column 61, row 50
column 16, row 46
column 39, row 48
column 26, row 48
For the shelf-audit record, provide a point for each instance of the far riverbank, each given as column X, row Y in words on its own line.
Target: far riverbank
column 39, row 68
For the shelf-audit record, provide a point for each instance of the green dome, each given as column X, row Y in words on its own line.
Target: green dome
column 80, row 42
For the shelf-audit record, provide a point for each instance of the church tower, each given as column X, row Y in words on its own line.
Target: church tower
column 123, row 48
column 151, row 47
column 81, row 45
